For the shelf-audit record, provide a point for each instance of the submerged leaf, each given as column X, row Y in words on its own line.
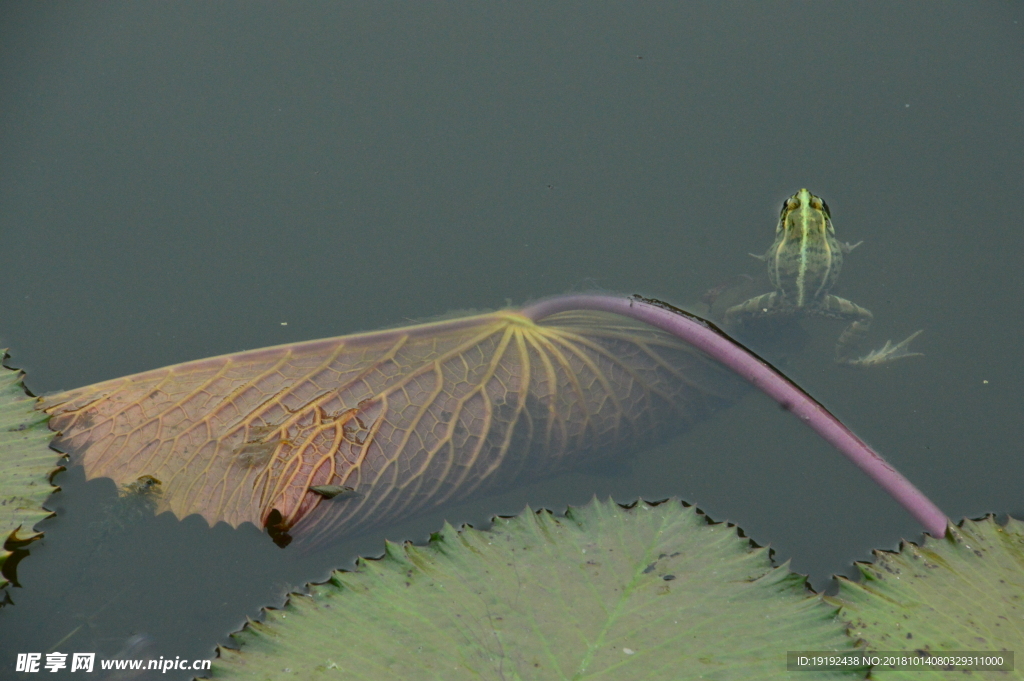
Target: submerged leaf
column 963, row 592
column 650, row 592
column 407, row 418
column 26, row 464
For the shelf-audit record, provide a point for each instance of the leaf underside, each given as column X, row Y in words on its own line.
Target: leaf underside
column 26, row 464
column 408, row 418
column 649, row 592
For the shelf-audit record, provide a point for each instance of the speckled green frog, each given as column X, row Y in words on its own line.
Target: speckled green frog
column 803, row 266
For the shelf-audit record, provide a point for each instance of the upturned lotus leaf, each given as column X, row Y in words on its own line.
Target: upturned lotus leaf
column 406, row 418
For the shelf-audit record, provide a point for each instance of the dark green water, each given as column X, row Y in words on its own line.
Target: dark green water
column 180, row 180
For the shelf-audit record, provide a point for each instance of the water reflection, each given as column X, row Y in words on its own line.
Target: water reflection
column 137, row 647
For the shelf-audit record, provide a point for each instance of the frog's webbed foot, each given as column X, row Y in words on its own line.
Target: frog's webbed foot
column 847, row 246
column 840, row 308
column 887, row 353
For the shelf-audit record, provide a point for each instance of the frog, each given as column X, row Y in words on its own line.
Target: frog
column 803, row 265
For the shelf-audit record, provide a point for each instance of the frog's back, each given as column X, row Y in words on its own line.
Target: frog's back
column 806, row 258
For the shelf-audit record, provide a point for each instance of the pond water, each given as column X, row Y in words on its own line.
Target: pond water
column 185, row 180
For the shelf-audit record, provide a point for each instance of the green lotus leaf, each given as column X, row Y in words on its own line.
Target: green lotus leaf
column 964, row 592
column 648, row 592
column 26, row 465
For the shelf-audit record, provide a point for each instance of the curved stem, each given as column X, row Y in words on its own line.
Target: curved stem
column 713, row 342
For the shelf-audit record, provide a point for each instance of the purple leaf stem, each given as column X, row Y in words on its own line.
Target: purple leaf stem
column 713, row 342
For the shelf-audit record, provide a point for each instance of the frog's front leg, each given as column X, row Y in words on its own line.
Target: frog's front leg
column 759, row 306
column 840, row 308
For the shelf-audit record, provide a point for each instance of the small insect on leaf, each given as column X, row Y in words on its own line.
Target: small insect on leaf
column 135, row 501
column 145, row 485
column 334, row 491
